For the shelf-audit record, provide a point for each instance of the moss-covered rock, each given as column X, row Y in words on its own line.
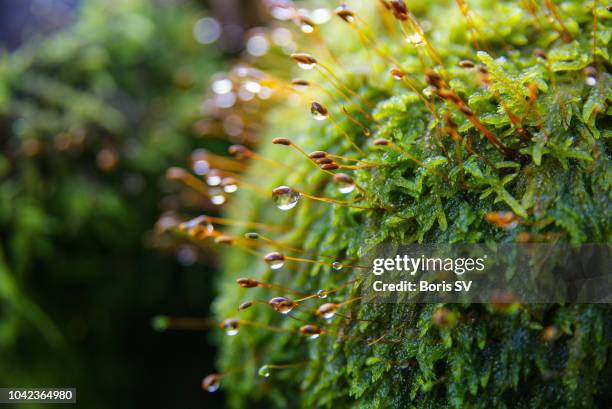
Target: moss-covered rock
column 521, row 127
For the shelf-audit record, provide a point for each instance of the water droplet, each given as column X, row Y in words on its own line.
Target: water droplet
column 211, row 383
column 229, row 185
column 327, row 311
column 207, row 30
column 345, row 14
column 264, row 371
column 417, row 39
column 304, row 61
column 201, row 167
column 252, row 86
column 337, row 265
column 312, row 331
column 200, row 225
column 590, row 81
column 306, row 25
column 257, row 45
column 282, row 304
column 231, row 326
column 285, row 198
column 217, row 197
column 222, row 86
column 322, row 294
column 320, row 15
column 306, row 66
column 213, row 178
column 344, row 182
column 275, row 260
column 318, row 111
column 397, row 73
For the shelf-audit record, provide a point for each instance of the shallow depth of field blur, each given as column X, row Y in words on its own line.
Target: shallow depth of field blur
column 97, row 99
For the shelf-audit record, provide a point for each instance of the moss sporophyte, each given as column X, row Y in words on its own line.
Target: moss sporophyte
column 419, row 122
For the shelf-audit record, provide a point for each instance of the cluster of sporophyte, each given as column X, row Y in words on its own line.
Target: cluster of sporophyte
column 419, row 122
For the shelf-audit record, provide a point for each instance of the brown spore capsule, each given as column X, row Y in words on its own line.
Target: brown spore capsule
column 380, row 142
column 324, row 161
column 317, row 155
column 466, row 64
column 281, row 141
column 243, row 306
column 247, row 282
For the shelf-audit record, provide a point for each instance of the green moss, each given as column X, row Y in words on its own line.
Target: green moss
column 557, row 182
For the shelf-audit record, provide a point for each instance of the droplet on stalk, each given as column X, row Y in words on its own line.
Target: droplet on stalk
column 264, row 371
column 282, row 304
column 231, row 326
column 312, row 331
column 318, row 111
column 275, row 260
column 327, row 310
column 345, row 14
column 397, row 73
column 304, row 61
column 213, row 178
column 306, row 25
column 229, row 185
column 285, row 198
column 345, row 183
column 211, row 383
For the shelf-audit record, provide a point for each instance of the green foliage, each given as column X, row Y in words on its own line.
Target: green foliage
column 557, row 182
column 90, row 118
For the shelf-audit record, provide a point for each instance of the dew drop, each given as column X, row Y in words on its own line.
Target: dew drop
column 217, row 197
column 337, row 265
column 264, row 371
column 222, row 86
column 306, row 25
column 417, row 39
column 275, row 260
column 211, row 383
column 231, row 326
column 201, row 167
column 306, row 66
column 229, row 185
column 318, row 111
column 344, row 182
column 282, row 304
column 327, row 311
column 285, row 198
column 213, row 178
column 312, row 331
column 322, row 294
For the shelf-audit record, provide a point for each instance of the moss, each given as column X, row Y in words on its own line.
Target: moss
column 554, row 177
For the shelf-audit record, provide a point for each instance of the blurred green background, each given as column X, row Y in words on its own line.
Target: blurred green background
column 97, row 99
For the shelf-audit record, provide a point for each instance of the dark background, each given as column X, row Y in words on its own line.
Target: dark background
column 100, row 280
